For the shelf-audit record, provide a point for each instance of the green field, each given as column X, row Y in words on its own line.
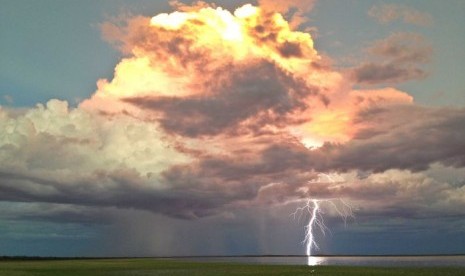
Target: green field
column 143, row 267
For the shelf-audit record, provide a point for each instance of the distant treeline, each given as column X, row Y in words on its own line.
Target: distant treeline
column 38, row 258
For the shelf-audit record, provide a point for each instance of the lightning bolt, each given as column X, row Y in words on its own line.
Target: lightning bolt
column 312, row 207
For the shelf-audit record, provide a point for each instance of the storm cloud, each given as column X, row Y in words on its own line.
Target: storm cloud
column 210, row 113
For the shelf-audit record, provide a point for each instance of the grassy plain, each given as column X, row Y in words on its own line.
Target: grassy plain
column 146, row 267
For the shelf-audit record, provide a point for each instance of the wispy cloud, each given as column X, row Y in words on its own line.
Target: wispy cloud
column 398, row 58
column 387, row 13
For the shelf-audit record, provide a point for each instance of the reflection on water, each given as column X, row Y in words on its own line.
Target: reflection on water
column 349, row 261
column 314, row 260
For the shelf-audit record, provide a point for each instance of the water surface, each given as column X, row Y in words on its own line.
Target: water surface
column 385, row 261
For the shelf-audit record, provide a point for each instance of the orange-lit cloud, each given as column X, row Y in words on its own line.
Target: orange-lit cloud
column 298, row 8
column 204, row 68
column 180, row 53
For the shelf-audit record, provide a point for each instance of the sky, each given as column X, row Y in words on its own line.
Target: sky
column 156, row 128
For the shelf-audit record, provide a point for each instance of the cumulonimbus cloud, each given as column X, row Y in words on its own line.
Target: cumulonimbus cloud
column 211, row 110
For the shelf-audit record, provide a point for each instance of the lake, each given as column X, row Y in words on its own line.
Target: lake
column 384, row 261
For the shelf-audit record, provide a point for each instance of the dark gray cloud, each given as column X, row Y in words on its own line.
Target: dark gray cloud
column 406, row 137
column 374, row 73
column 121, row 189
column 268, row 168
column 57, row 213
column 256, row 96
column 401, row 137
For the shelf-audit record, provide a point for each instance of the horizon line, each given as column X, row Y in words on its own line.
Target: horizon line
column 31, row 257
